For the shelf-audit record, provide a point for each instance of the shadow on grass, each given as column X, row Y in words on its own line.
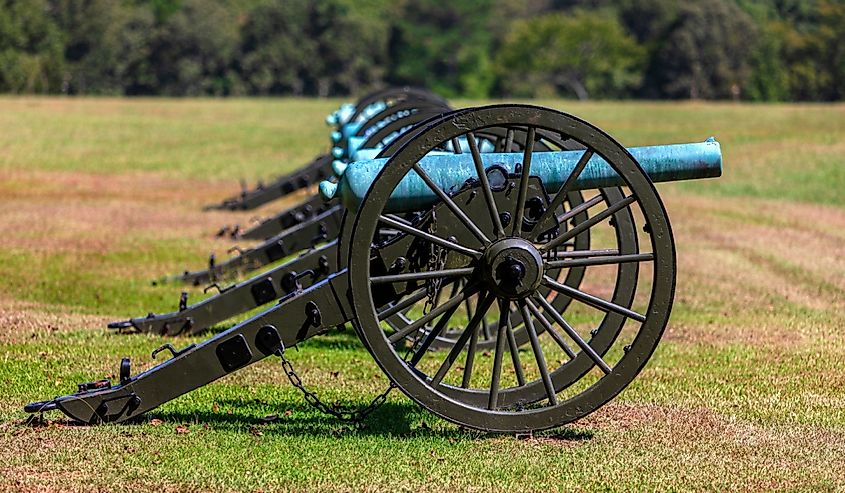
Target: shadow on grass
column 393, row 419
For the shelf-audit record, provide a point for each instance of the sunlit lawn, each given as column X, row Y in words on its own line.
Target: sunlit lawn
column 98, row 197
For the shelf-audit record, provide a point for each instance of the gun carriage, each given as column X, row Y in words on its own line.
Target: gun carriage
column 437, row 222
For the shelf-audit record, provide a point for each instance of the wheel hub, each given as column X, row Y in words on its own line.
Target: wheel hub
column 512, row 268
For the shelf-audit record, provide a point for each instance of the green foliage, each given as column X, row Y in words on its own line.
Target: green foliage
column 194, row 50
column 581, row 53
column 769, row 75
column 443, row 46
column 817, row 55
column 760, row 50
column 30, row 48
column 707, row 52
column 107, row 47
column 274, row 54
column 310, row 47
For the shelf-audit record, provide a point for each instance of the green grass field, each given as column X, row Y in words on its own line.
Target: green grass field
column 98, row 197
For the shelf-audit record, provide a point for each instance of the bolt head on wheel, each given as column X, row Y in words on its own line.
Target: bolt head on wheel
column 512, row 268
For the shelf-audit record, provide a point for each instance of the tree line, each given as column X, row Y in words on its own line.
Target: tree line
column 760, row 50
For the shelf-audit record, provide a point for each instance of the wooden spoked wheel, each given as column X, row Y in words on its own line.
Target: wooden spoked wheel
column 507, row 268
column 513, row 139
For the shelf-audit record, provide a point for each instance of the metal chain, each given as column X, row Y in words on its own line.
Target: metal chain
column 349, row 416
column 436, row 261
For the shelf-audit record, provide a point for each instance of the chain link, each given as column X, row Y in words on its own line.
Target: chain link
column 355, row 416
column 436, row 261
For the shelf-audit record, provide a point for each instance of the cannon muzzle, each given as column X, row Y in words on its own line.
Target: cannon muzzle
column 662, row 163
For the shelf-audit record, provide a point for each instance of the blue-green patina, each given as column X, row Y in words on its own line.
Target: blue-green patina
column 450, row 171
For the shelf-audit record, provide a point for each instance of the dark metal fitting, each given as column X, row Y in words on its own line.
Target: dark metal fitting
column 125, row 370
column 398, row 265
column 39, row 407
column 290, row 281
column 505, row 218
column 497, row 177
column 322, row 234
column 123, row 324
column 183, row 301
column 173, row 352
column 323, row 263
column 89, row 386
column 312, row 311
column 268, row 341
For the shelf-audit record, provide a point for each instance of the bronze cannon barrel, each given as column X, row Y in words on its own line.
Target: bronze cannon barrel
column 450, row 171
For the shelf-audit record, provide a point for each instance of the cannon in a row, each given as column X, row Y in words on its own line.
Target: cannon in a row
column 375, row 122
column 317, row 238
column 351, row 120
column 494, row 227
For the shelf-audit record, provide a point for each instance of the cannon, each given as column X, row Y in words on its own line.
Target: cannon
column 496, row 227
column 373, row 134
column 316, row 237
column 347, row 118
column 311, row 222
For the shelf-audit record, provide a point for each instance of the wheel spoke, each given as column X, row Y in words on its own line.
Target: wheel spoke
column 523, row 182
column 446, row 199
column 468, row 307
column 593, row 301
column 405, row 303
column 586, row 205
column 585, row 253
column 485, row 185
column 589, row 223
column 432, row 335
column 430, row 237
column 473, row 345
column 504, row 313
column 550, row 329
column 591, row 353
column 462, row 340
column 600, row 260
column 513, row 348
column 538, row 354
column 485, row 329
column 566, row 216
column 561, row 194
column 434, row 313
column 420, row 276
column 456, row 146
column 508, row 140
